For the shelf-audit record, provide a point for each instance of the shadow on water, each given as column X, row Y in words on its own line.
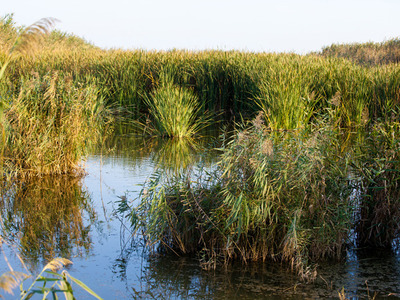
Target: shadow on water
column 172, row 277
column 44, row 218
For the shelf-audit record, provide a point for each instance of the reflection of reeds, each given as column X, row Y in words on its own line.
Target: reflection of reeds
column 176, row 154
column 169, row 154
column 45, row 217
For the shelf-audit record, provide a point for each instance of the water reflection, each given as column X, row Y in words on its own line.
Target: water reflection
column 171, row 155
column 176, row 154
column 181, row 278
column 44, row 218
column 55, row 217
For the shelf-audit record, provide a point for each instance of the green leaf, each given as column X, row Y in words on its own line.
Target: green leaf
column 84, row 286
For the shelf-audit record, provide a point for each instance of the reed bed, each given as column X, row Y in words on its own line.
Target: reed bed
column 281, row 190
column 371, row 53
column 291, row 89
column 50, row 124
column 297, row 197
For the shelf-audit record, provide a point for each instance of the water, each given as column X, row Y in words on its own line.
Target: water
column 76, row 219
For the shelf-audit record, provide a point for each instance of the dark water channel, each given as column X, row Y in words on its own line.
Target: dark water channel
column 76, row 219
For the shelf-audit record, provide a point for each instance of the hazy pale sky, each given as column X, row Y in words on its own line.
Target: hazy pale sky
column 253, row 25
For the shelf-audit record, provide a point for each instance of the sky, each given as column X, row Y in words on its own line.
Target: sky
column 298, row 26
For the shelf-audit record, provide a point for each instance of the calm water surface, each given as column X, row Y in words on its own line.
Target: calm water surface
column 80, row 223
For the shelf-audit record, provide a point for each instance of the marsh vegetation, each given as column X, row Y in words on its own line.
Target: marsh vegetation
column 311, row 168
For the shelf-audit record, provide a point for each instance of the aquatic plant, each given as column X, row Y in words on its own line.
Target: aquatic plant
column 48, row 282
column 174, row 110
column 24, row 42
column 285, row 99
column 51, row 123
column 280, row 197
column 378, row 171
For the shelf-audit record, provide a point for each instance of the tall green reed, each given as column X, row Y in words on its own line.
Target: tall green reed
column 24, row 42
column 285, row 97
column 174, row 110
column 51, row 123
column 281, row 196
column 377, row 167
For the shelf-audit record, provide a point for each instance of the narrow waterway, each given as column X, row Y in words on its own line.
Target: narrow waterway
column 77, row 219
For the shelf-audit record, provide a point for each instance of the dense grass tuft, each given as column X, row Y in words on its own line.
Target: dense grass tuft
column 174, row 110
column 49, row 126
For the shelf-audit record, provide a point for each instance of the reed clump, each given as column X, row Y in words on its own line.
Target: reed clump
column 285, row 98
column 174, row 110
column 378, row 169
column 282, row 197
column 50, row 124
column 297, row 197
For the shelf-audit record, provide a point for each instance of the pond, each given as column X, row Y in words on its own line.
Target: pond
column 76, row 219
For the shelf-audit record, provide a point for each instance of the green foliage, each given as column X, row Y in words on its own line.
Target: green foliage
column 273, row 196
column 174, row 110
column 285, row 97
column 47, row 283
column 49, row 125
column 378, row 169
column 386, row 52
